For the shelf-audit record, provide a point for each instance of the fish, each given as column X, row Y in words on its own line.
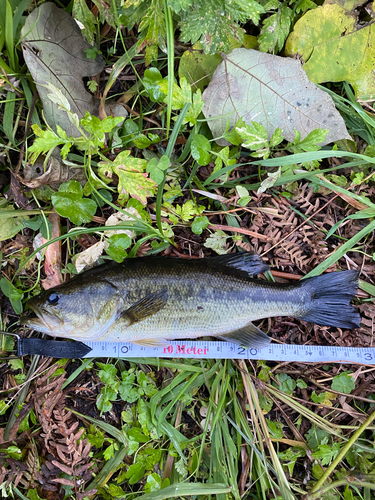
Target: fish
column 152, row 300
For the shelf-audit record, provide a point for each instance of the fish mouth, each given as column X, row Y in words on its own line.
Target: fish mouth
column 45, row 322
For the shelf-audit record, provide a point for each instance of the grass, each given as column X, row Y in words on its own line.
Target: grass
column 160, row 428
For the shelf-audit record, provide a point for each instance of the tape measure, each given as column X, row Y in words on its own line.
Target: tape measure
column 228, row 350
column 193, row 349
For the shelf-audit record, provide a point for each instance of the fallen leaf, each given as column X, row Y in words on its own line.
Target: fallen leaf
column 335, row 46
column 117, row 218
column 54, row 51
column 56, row 173
column 271, row 90
column 89, row 256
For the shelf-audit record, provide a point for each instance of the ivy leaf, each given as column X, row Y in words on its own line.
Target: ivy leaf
column 343, row 383
column 200, row 148
column 199, row 224
column 68, row 202
column 133, row 180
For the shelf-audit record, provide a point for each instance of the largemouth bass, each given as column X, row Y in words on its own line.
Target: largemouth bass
column 151, row 300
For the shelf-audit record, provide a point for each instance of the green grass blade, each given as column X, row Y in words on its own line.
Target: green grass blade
column 185, row 489
column 314, row 155
column 341, row 251
column 170, row 48
column 9, row 38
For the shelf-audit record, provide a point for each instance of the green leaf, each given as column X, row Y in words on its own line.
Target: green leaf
column 254, row 136
column 68, row 202
column 133, row 180
column 200, row 149
column 275, row 29
column 336, row 29
column 151, row 79
column 45, row 141
column 118, row 243
column 199, row 224
column 16, row 364
column 157, row 168
column 13, row 293
column 98, row 128
column 137, row 435
column 153, row 483
column 83, row 14
column 316, row 437
column 152, row 26
column 310, row 142
column 343, row 383
column 9, row 225
column 143, row 141
column 275, row 428
column 135, row 473
column 214, row 22
column 285, row 383
column 301, row 383
column 326, row 453
column 217, row 241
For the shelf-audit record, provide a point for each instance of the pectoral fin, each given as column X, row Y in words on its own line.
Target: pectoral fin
column 249, row 336
column 147, row 306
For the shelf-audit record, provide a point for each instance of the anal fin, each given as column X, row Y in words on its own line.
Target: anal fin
column 248, row 336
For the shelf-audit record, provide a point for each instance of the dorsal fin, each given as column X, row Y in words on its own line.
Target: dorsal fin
column 251, row 263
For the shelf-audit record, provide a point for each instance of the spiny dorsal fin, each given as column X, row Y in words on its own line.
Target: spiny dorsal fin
column 252, row 264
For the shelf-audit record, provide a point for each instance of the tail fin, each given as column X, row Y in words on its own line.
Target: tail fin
column 331, row 295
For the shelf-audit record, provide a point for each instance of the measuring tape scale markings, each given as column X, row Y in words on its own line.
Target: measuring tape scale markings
column 228, row 350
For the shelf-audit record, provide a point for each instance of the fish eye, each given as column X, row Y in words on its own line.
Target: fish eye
column 53, row 299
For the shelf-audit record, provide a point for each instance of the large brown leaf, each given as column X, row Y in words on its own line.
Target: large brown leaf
column 54, row 51
column 271, row 90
